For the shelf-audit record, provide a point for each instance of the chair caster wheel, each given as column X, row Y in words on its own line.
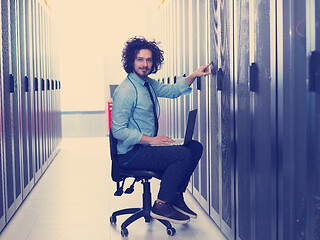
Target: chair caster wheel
column 171, row 231
column 124, row 232
column 113, row 220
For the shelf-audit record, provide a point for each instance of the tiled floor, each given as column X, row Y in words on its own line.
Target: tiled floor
column 74, row 200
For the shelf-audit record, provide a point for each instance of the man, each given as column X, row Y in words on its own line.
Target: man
column 135, row 124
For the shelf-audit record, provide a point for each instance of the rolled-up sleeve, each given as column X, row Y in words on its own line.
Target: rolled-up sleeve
column 123, row 103
column 183, row 87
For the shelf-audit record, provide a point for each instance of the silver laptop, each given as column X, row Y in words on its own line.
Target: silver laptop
column 189, row 131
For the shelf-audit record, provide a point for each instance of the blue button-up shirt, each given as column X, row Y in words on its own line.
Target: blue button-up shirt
column 132, row 110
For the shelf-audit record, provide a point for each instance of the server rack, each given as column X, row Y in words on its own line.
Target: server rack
column 259, row 113
column 2, row 143
column 30, row 107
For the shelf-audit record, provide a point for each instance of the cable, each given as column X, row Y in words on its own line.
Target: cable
column 297, row 31
column 134, row 107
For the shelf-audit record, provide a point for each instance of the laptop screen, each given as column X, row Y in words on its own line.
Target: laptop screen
column 190, row 126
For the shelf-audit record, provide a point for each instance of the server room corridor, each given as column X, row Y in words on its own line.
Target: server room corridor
column 74, row 200
column 258, row 116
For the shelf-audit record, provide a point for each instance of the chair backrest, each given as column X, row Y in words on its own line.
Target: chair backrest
column 114, row 158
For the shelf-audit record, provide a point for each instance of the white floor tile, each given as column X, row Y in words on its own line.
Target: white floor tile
column 74, row 200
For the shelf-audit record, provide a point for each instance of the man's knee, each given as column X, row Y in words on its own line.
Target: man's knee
column 196, row 148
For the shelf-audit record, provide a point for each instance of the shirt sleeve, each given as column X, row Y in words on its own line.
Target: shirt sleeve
column 183, row 87
column 122, row 107
column 172, row 90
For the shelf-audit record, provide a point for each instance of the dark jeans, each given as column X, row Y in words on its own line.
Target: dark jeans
column 176, row 162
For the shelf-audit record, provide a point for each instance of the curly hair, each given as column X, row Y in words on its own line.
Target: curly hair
column 133, row 46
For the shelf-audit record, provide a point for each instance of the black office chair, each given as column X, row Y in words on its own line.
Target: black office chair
column 119, row 176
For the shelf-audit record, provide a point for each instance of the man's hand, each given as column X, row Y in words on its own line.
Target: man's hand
column 158, row 140
column 200, row 72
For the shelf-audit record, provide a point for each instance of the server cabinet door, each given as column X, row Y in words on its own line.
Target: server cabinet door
column 2, row 156
column 215, row 168
column 51, row 119
column 29, row 93
column 43, row 88
column 11, row 159
column 36, row 130
column 263, row 115
column 37, row 114
column 2, row 193
column 242, row 124
column 202, row 94
column 226, row 135
column 292, row 119
column 180, row 72
column 55, row 119
column 174, row 51
column 16, row 99
column 25, row 102
column 59, row 129
column 48, row 123
column 43, row 104
column 194, row 102
column 185, row 58
column 313, row 119
column 222, row 164
column 2, row 145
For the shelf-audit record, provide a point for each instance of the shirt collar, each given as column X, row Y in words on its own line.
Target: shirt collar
column 137, row 79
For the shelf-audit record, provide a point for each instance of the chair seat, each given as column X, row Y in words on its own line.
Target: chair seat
column 140, row 173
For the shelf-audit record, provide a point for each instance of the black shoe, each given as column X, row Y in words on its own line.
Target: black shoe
column 182, row 207
column 165, row 211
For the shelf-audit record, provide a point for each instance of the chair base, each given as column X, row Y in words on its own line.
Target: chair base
column 138, row 213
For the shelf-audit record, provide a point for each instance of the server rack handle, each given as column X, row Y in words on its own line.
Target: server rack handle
column 42, row 84
column 220, row 77
column 36, row 84
column 11, row 80
column 26, row 84
column 199, row 83
column 314, row 71
column 253, row 76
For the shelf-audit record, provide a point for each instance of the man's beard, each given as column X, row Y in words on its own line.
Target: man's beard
column 144, row 75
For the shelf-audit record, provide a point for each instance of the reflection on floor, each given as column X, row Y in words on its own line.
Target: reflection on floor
column 74, row 200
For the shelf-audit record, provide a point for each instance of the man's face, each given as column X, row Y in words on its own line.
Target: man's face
column 143, row 63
